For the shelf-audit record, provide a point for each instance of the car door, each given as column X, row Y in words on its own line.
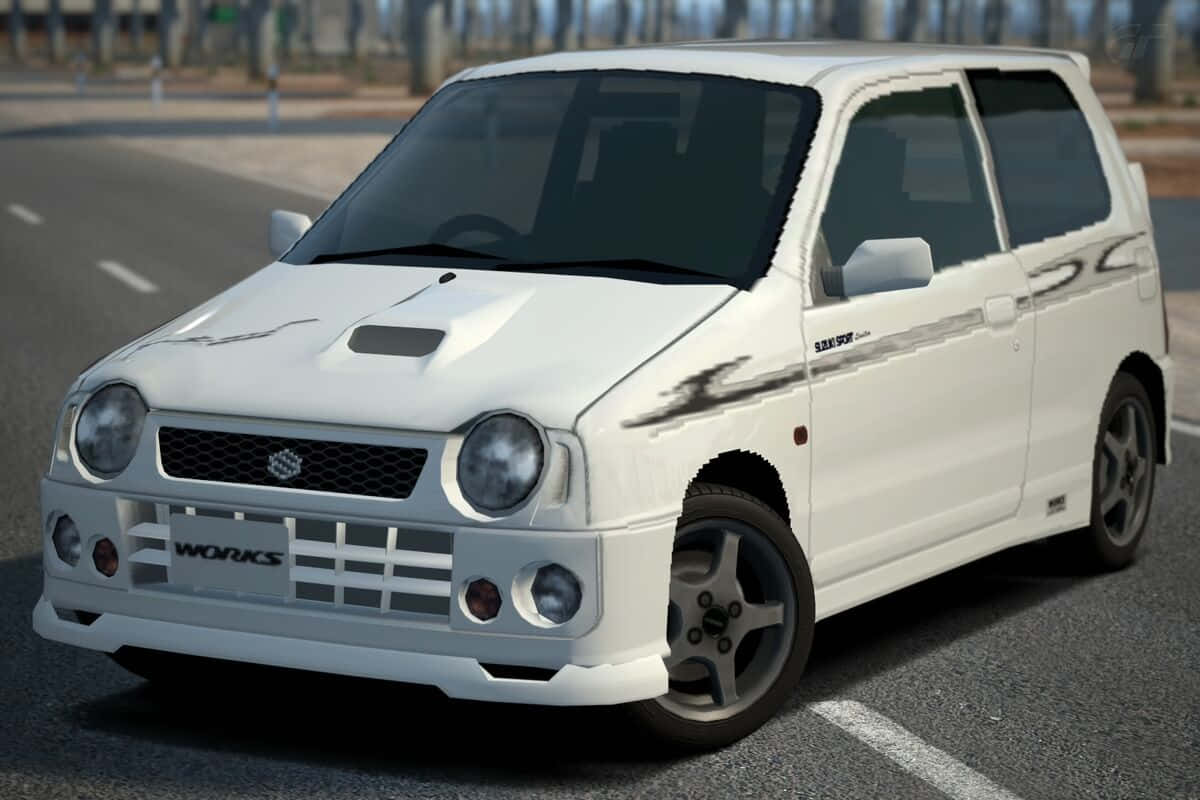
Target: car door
column 1089, row 263
column 920, row 397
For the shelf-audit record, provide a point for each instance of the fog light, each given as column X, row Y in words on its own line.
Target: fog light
column 104, row 556
column 483, row 599
column 66, row 540
column 556, row 593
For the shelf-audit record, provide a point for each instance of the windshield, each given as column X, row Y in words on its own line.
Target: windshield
column 641, row 175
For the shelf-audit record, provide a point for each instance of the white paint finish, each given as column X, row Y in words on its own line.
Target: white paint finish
column 915, row 448
column 1186, row 428
column 544, row 345
column 24, row 214
column 458, row 676
column 127, row 276
column 928, row 476
column 915, row 756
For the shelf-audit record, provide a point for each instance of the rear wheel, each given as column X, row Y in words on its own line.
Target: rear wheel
column 1122, row 474
column 739, row 622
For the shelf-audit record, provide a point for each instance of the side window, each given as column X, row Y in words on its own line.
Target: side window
column 911, row 166
column 1047, row 169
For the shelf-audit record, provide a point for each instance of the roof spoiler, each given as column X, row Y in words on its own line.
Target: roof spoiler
column 1081, row 61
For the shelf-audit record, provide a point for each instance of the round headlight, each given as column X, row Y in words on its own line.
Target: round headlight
column 109, row 428
column 500, row 462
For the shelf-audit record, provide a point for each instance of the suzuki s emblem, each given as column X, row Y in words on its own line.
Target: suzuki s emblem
column 284, row 465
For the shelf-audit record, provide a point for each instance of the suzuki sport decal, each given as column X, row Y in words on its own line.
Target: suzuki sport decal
column 708, row 388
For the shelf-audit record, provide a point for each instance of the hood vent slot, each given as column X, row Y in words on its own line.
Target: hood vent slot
column 384, row 340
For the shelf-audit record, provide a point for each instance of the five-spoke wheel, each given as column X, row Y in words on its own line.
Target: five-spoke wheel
column 739, row 621
column 1123, row 474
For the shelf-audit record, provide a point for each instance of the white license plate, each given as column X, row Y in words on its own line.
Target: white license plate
column 233, row 554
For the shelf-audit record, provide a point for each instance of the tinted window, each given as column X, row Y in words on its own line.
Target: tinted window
column 690, row 171
column 1047, row 169
column 910, row 166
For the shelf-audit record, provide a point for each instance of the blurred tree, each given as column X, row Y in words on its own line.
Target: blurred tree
column 523, row 26
column 16, row 31
column 664, row 17
column 56, row 32
column 913, row 25
column 995, row 22
column 735, row 23
column 470, row 27
column 261, row 24
column 426, row 50
column 563, row 29
column 797, row 20
column 1098, row 28
column 585, row 13
column 772, row 19
column 1154, row 24
column 103, row 31
column 1052, row 23
column 137, row 27
column 624, row 30
column 822, row 18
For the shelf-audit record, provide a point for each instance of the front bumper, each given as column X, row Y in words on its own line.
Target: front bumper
column 611, row 652
column 457, row 676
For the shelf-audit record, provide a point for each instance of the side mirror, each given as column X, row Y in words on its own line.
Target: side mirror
column 883, row 265
column 285, row 228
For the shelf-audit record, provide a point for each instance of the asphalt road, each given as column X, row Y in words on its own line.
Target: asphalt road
column 1045, row 680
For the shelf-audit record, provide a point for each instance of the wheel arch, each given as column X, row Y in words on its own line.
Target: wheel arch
column 750, row 472
column 1143, row 368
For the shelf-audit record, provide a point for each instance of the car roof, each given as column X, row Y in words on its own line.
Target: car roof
column 797, row 62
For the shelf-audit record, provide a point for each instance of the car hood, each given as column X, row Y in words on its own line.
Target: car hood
column 278, row 345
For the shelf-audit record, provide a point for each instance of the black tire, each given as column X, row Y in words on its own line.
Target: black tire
column 1101, row 543
column 719, row 504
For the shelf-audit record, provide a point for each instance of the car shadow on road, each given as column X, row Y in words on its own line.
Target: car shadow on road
column 386, row 728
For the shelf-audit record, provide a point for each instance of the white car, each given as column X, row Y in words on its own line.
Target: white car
column 616, row 371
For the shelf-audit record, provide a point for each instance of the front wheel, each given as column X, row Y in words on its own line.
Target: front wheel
column 739, row 623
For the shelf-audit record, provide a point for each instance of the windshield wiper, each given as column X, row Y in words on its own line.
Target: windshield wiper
column 429, row 249
column 644, row 264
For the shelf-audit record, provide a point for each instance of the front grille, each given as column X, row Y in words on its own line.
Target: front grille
column 370, row 470
column 345, row 566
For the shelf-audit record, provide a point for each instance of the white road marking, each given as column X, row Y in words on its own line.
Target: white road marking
column 24, row 214
column 127, row 276
column 1186, row 428
column 953, row 779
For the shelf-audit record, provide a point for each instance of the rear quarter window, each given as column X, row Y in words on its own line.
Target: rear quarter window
column 1047, row 167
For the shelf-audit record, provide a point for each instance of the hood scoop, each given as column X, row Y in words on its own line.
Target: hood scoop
column 387, row 340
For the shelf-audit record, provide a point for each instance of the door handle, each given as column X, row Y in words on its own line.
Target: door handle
column 1000, row 310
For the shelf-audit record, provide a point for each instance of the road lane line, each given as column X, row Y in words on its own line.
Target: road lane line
column 127, row 276
column 1186, row 428
column 915, row 756
column 24, row 214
